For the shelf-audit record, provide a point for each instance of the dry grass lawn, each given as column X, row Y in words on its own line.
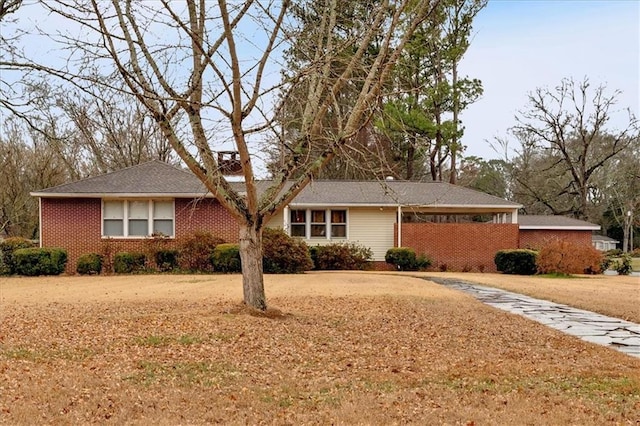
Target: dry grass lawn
column 344, row 348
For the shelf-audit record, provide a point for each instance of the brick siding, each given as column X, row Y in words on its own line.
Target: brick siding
column 459, row 246
column 75, row 225
column 536, row 238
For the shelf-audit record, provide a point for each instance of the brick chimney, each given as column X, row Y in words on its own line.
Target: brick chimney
column 229, row 163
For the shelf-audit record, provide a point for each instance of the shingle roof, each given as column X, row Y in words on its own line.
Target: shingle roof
column 331, row 192
column 604, row 238
column 554, row 222
column 154, row 177
column 158, row 178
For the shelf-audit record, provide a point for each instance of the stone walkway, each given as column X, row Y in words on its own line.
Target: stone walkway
column 613, row 333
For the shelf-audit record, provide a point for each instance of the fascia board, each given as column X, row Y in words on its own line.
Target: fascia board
column 560, row 228
column 121, row 195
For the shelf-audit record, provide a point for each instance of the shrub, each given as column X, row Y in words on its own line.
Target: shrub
column 405, row 259
column 517, row 262
column 7, row 248
column 341, row 256
column 623, row 266
column 89, row 264
column 635, row 252
column 563, row 257
column 39, row 261
column 128, row 262
column 166, row 259
column 283, row 254
column 613, row 253
column 226, row 258
column 195, row 251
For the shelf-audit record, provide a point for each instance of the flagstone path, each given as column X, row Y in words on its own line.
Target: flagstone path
column 613, row 333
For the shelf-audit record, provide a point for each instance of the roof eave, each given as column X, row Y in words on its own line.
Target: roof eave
column 561, row 228
column 121, row 195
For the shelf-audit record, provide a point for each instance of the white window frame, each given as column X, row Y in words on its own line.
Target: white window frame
column 125, row 218
column 327, row 223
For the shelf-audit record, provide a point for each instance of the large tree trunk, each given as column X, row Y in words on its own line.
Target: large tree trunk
column 251, row 257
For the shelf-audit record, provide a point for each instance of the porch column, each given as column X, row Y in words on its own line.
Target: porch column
column 285, row 220
column 399, row 226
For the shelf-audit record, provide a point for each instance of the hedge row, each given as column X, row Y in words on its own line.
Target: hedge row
column 19, row 256
column 556, row 257
column 203, row 252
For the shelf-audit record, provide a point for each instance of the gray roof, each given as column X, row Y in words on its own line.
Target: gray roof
column 331, row 192
column 156, row 178
column 555, row 222
column 604, row 238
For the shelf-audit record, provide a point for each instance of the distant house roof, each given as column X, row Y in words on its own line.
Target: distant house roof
column 603, row 238
column 556, row 223
column 157, row 178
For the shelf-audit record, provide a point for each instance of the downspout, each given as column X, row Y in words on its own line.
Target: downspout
column 40, row 222
column 399, row 226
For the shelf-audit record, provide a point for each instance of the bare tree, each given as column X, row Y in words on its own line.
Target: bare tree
column 28, row 163
column 565, row 139
column 208, row 73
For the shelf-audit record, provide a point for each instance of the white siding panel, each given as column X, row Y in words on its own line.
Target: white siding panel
column 373, row 228
column 276, row 221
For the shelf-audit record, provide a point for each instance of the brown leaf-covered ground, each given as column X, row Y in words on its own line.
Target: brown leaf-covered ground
column 341, row 348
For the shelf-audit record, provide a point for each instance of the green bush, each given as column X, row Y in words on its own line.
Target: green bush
column 613, row 253
column 166, row 259
column 39, row 261
column 89, row 264
column 518, row 261
column 623, row 265
column 195, row 251
column 405, row 259
column 7, row 248
column 282, row 254
column 341, row 256
column 226, row 258
column 128, row 262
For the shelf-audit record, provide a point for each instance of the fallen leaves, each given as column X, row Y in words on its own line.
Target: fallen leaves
column 375, row 359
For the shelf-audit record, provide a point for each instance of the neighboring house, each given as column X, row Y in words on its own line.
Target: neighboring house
column 124, row 209
column 603, row 243
column 535, row 231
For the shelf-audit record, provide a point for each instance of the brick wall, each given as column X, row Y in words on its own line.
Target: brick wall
column 461, row 246
column 74, row 225
column 536, row 238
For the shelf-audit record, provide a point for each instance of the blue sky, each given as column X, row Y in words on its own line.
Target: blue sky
column 520, row 45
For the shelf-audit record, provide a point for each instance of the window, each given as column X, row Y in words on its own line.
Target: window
column 338, row 224
column 113, row 213
column 318, row 223
column 163, row 218
column 137, row 218
column 298, row 223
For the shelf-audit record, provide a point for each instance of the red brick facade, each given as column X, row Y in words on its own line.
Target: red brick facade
column 75, row 225
column 536, row 238
column 459, row 246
